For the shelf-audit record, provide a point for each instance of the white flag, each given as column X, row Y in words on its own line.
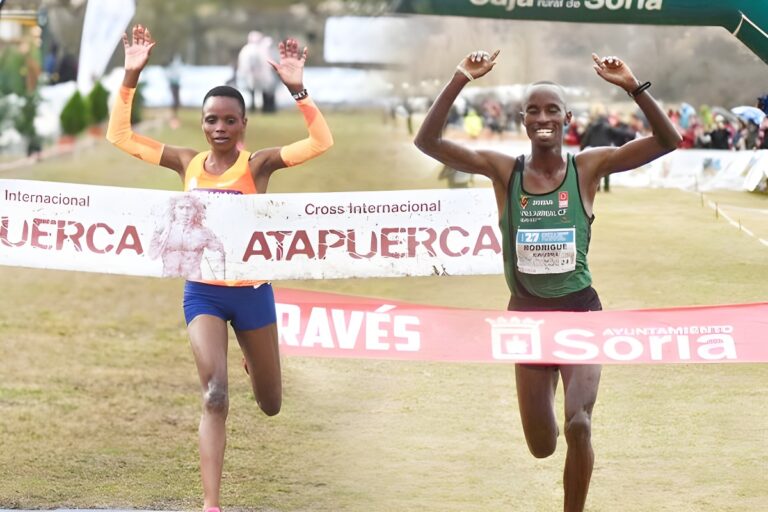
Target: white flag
column 105, row 23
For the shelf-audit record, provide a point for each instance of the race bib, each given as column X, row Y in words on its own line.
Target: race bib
column 546, row 251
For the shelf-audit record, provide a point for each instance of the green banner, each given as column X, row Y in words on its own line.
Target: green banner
column 746, row 19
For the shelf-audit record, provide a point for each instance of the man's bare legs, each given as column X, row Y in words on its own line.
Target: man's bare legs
column 536, row 387
column 580, row 383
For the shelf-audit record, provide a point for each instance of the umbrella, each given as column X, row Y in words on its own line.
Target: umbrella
column 752, row 114
column 727, row 114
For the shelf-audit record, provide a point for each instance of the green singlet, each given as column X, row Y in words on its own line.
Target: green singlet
column 545, row 237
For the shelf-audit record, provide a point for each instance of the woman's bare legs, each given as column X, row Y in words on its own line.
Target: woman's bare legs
column 208, row 339
column 262, row 357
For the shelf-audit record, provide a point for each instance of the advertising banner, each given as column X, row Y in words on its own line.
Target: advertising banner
column 330, row 325
column 745, row 19
column 202, row 235
column 700, row 170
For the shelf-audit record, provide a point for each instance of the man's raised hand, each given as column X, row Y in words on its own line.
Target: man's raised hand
column 477, row 64
column 614, row 70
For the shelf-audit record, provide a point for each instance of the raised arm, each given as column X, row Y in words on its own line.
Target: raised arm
column 119, row 130
column 290, row 69
column 599, row 162
column 430, row 140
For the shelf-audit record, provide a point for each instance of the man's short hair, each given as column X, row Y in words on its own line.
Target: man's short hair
column 229, row 92
column 556, row 85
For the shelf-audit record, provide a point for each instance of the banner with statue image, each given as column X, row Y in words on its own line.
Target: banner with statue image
column 224, row 237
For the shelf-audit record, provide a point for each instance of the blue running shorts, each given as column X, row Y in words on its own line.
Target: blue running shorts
column 245, row 307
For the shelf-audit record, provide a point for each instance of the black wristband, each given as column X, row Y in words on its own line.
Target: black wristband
column 298, row 96
column 640, row 88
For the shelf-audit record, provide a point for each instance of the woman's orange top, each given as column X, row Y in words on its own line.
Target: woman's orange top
column 235, row 180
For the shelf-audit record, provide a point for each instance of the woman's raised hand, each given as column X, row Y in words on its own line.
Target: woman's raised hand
column 291, row 65
column 137, row 51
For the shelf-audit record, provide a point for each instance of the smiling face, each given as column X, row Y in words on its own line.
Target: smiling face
column 545, row 114
column 223, row 122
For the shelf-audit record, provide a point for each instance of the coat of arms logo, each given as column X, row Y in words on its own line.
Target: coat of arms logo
column 515, row 339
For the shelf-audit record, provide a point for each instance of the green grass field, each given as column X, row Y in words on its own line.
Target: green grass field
column 99, row 396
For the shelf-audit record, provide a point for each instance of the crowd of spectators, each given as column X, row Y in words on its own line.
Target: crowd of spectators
column 705, row 128
column 716, row 128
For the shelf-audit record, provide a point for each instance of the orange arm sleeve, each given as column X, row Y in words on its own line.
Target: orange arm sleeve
column 318, row 142
column 120, row 134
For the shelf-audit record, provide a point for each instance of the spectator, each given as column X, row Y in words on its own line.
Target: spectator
column 621, row 131
column 599, row 133
column 751, row 134
column 674, row 116
column 572, row 135
column 738, row 138
column 763, row 141
column 473, row 124
column 702, row 138
column 50, row 63
column 67, row 71
column 720, row 137
column 254, row 73
column 493, row 116
column 512, row 112
column 706, row 118
column 762, row 103
column 173, row 72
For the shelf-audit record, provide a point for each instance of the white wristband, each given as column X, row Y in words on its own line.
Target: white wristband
column 465, row 72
